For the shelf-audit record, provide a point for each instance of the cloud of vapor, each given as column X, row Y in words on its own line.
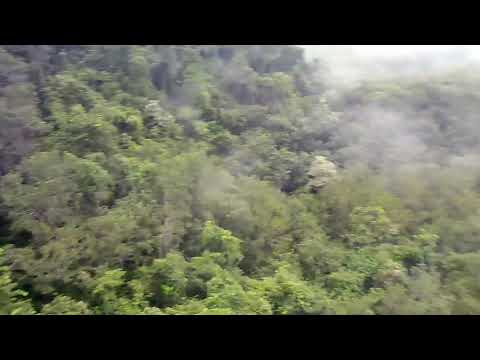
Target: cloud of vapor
column 433, row 120
column 381, row 138
column 350, row 64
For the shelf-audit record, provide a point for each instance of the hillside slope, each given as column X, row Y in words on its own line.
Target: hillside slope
column 231, row 180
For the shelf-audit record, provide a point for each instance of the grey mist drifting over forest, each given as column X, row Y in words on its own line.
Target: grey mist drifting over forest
column 387, row 137
column 348, row 64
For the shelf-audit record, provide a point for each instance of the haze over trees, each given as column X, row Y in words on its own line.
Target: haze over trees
column 234, row 180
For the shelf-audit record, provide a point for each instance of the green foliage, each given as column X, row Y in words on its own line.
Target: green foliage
column 287, row 291
column 226, row 292
column 82, row 133
column 165, row 280
column 232, row 180
column 116, row 296
column 321, row 172
column 53, row 188
column 63, row 305
column 217, row 240
column 13, row 301
column 422, row 295
column 160, row 123
column 20, row 121
column 318, row 257
column 370, row 225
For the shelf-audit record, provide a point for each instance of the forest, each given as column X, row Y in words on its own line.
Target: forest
column 234, row 180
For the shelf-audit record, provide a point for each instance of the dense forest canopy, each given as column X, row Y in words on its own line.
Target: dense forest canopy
column 234, row 180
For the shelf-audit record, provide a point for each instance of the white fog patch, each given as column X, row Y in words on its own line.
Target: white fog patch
column 350, row 64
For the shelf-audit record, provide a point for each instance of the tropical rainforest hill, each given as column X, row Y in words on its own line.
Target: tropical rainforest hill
column 175, row 179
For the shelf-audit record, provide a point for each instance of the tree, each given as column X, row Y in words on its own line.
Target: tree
column 225, row 292
column 217, row 240
column 82, row 132
column 63, row 305
column 53, row 188
column 161, row 123
column 20, row 123
column 422, row 295
column 321, row 172
column 370, row 225
column 13, row 301
column 165, row 280
column 116, row 296
column 287, row 292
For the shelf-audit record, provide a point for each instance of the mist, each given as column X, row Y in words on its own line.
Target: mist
column 350, row 64
column 419, row 112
